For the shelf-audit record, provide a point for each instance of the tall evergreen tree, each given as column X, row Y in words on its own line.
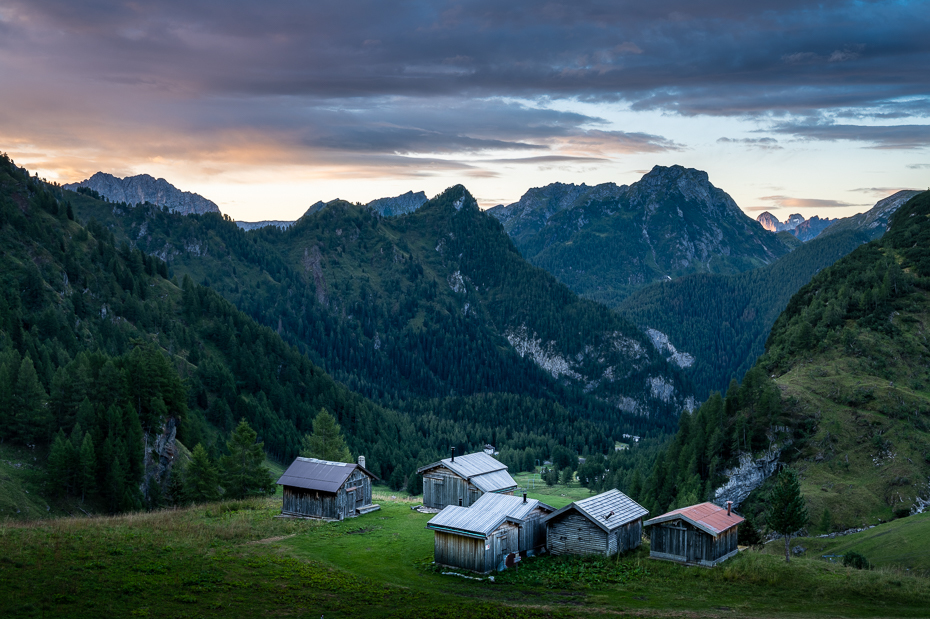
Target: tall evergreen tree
column 29, row 404
column 201, row 479
column 326, row 442
column 87, row 466
column 243, row 471
column 787, row 513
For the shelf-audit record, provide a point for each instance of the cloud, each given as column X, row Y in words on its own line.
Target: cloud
column 891, row 137
column 789, row 202
column 880, row 192
column 544, row 159
column 760, row 143
column 761, row 208
column 919, row 166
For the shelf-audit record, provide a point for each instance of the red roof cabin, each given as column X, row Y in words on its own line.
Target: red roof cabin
column 703, row 534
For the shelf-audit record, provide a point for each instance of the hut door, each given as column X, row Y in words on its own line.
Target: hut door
column 694, row 546
column 359, row 497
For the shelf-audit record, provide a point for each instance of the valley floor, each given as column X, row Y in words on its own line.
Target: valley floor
column 236, row 559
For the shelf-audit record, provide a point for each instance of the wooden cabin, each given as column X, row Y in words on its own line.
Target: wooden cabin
column 604, row 524
column 461, row 480
column 492, row 534
column 702, row 534
column 329, row 490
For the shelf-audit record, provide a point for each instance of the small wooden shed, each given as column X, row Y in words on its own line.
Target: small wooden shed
column 492, row 534
column 323, row 489
column 604, row 524
column 462, row 480
column 703, row 534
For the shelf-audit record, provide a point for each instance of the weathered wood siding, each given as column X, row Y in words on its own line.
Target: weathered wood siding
column 442, row 487
column 533, row 532
column 460, row 551
column 627, row 537
column 573, row 534
column 681, row 541
column 352, row 495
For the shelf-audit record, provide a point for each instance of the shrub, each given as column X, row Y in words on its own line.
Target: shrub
column 856, row 560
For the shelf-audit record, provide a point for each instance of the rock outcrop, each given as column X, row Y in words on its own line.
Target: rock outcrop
column 747, row 476
column 161, row 452
column 144, row 188
column 398, row 205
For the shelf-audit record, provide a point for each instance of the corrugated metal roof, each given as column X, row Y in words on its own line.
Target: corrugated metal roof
column 708, row 517
column 495, row 481
column 608, row 510
column 488, row 474
column 322, row 475
column 484, row 515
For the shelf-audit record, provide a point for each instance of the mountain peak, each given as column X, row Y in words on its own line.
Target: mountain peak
column 144, row 188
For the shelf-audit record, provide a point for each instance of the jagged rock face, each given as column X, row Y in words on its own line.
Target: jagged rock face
column 747, row 476
column 607, row 241
column 812, row 228
column 161, row 452
column 804, row 229
column 398, row 205
column 144, row 188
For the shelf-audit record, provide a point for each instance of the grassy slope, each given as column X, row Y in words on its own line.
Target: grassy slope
column 236, row 559
column 861, row 463
column 902, row 543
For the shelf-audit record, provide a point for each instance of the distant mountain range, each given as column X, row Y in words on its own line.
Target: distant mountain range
column 144, row 188
column 386, row 207
column 804, row 229
column 607, row 241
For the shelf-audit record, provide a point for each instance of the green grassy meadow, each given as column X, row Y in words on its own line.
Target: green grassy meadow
column 236, row 559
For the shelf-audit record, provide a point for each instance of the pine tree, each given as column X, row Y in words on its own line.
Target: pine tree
column 787, row 513
column 87, row 467
column 29, row 404
column 62, row 461
column 200, row 477
column 326, row 442
column 243, row 471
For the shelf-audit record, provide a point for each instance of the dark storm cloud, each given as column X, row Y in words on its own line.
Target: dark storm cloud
column 397, row 78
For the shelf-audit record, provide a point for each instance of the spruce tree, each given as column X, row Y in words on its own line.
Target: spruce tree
column 326, row 442
column 29, row 404
column 243, row 471
column 787, row 513
column 201, row 479
column 87, row 467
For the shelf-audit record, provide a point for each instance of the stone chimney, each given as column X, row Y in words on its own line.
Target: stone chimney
column 361, row 461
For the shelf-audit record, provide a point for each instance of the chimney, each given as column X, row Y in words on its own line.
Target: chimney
column 729, row 507
column 453, row 454
column 460, row 502
column 524, row 497
column 361, row 461
column 607, row 517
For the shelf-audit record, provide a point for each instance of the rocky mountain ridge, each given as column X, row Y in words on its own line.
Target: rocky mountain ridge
column 606, row 241
column 386, row 207
column 144, row 188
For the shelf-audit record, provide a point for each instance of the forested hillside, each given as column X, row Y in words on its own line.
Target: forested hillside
column 98, row 349
column 432, row 304
column 724, row 320
column 845, row 378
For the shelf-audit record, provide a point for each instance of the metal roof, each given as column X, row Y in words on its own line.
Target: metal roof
column 708, row 517
column 608, row 510
column 322, row 475
column 484, row 515
column 488, row 474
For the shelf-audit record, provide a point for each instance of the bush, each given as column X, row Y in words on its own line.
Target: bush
column 856, row 560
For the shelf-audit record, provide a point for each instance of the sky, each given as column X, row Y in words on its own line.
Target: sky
column 267, row 107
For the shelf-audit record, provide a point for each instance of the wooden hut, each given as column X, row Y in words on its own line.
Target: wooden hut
column 702, row 534
column 330, row 490
column 492, row 534
column 462, row 480
column 604, row 524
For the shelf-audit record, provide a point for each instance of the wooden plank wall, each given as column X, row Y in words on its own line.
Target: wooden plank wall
column 572, row 533
column 309, row 503
column 691, row 544
column 442, row 487
column 460, row 551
